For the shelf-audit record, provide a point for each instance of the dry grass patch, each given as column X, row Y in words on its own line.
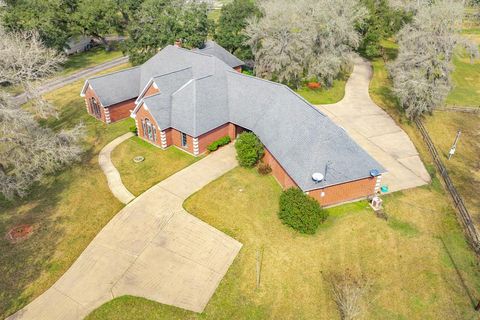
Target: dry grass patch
column 412, row 275
column 67, row 210
column 464, row 167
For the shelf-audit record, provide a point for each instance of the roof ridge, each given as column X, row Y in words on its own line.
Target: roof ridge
column 196, row 52
column 171, row 72
column 280, row 85
column 115, row 72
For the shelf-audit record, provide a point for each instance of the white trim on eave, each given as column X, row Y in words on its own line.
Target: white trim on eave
column 137, row 107
column 140, row 96
column 84, row 89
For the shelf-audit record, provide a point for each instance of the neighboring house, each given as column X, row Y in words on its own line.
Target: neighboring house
column 79, row 44
column 188, row 99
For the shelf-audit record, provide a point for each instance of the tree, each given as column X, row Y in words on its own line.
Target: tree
column 98, row 18
column 50, row 18
column 382, row 22
column 160, row 22
column 28, row 151
column 421, row 72
column 249, row 149
column 230, row 30
column 128, row 9
column 23, row 61
column 295, row 40
column 194, row 24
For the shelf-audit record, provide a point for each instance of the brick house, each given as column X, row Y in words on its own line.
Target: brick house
column 189, row 98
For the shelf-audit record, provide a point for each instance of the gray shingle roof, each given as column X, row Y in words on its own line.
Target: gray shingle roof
column 128, row 84
column 212, row 48
column 116, row 87
column 297, row 134
column 199, row 92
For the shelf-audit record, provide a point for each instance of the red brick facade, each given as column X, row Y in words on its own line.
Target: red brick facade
column 115, row 112
column 326, row 196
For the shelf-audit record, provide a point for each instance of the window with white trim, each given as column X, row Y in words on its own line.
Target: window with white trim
column 184, row 140
column 149, row 130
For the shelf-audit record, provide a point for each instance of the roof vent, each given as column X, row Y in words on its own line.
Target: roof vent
column 317, row 177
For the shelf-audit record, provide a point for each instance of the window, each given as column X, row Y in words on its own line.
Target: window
column 94, row 108
column 184, row 140
column 149, row 130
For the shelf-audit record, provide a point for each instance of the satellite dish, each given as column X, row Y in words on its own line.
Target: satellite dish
column 317, row 177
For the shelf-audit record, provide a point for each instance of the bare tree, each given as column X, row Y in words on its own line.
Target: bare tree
column 348, row 291
column 23, row 61
column 29, row 151
column 293, row 40
column 421, row 72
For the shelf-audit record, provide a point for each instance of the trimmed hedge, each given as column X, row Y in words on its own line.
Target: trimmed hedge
column 218, row 143
column 249, row 149
column 300, row 211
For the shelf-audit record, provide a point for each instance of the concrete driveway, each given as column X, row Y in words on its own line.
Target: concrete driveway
column 152, row 248
column 374, row 130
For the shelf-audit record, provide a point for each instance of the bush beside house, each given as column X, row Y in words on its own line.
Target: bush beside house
column 218, row 143
column 300, row 211
column 249, row 149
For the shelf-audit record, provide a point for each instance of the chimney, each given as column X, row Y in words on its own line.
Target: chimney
column 178, row 43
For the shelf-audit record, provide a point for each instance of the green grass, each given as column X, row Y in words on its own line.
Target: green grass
column 158, row 163
column 67, row 210
column 466, row 82
column 325, row 95
column 96, row 56
column 412, row 264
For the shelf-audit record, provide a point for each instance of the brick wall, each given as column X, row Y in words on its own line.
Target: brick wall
column 143, row 114
column 345, row 192
column 121, row 110
column 89, row 94
column 327, row 196
column 151, row 90
column 205, row 139
column 278, row 172
column 112, row 113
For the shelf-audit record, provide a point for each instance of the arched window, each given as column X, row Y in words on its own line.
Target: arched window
column 95, row 108
column 149, row 130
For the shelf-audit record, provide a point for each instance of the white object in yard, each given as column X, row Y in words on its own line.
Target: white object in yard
column 376, row 203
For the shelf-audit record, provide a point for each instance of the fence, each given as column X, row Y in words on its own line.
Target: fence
column 464, row 215
column 459, row 109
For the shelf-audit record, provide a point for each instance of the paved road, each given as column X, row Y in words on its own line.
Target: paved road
column 62, row 81
column 152, row 248
column 113, row 176
column 374, row 130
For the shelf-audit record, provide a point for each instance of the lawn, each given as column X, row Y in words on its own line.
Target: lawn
column 158, row 163
column 412, row 260
column 464, row 167
column 96, row 56
column 66, row 210
column 466, row 82
column 325, row 95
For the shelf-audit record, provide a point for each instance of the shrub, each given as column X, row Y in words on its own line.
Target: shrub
column 300, row 211
column 134, row 130
column 264, row 169
column 218, row 143
column 249, row 149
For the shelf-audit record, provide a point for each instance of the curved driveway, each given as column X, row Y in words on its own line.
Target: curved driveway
column 152, row 248
column 374, row 130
